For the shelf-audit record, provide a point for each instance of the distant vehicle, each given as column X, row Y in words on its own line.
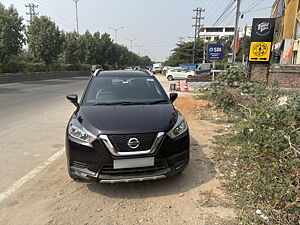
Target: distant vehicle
column 157, row 65
column 137, row 68
column 157, row 68
column 179, row 73
column 95, row 67
column 128, row 68
column 206, row 69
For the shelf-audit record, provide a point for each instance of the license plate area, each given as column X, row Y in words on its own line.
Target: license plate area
column 133, row 163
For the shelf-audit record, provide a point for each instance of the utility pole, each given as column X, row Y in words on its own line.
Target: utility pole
column 31, row 12
column 116, row 30
column 131, row 40
column 244, row 43
column 204, row 52
column 181, row 40
column 76, row 1
column 236, row 30
column 197, row 26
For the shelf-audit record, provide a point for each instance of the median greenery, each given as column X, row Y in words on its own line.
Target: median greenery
column 49, row 48
column 260, row 154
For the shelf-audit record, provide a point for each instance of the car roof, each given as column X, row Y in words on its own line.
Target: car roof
column 122, row 73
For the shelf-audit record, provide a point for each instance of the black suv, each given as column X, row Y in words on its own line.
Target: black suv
column 125, row 129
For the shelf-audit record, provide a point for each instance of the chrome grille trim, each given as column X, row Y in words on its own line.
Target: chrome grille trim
column 110, row 147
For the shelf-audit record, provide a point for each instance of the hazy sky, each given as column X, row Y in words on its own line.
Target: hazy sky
column 155, row 24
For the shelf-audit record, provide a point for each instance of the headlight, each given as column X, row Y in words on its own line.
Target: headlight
column 179, row 128
column 76, row 130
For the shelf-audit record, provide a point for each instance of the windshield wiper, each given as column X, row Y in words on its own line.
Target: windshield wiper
column 120, row 103
column 102, row 103
column 157, row 102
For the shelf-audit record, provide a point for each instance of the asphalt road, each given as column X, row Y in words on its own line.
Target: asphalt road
column 33, row 120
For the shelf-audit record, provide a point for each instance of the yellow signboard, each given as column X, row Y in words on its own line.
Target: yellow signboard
column 260, row 51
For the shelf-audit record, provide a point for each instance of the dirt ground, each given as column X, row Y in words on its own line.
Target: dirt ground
column 194, row 197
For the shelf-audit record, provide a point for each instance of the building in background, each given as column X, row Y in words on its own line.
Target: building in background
column 287, row 31
column 212, row 34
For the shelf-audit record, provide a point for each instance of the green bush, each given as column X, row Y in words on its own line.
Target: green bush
column 13, row 67
column 36, row 67
column 260, row 155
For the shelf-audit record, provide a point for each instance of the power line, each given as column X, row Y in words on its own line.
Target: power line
column 225, row 11
column 62, row 15
column 255, row 4
column 31, row 12
column 255, row 10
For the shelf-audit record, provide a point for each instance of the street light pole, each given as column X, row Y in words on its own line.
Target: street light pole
column 76, row 1
column 139, row 46
column 131, row 40
column 116, row 30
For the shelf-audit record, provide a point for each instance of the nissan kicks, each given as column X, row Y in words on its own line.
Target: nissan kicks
column 125, row 129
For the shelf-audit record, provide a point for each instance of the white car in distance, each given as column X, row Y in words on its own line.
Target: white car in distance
column 179, row 74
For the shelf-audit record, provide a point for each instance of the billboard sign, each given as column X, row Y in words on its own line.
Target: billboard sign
column 262, row 29
column 215, row 51
column 260, row 51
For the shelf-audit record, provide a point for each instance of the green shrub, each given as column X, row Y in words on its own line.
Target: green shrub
column 18, row 67
column 13, row 67
column 260, row 155
column 36, row 67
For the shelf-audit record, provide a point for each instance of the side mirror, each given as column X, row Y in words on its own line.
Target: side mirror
column 74, row 99
column 173, row 97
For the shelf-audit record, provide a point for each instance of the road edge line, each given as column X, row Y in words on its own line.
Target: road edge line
column 19, row 183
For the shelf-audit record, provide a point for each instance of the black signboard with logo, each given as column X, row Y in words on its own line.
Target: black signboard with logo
column 263, row 29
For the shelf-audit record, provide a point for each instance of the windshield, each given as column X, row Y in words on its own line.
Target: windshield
column 125, row 90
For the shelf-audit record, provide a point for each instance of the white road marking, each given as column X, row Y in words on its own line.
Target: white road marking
column 15, row 186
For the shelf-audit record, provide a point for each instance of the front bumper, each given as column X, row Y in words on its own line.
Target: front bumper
column 94, row 163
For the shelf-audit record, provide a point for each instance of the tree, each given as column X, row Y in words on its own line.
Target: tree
column 246, row 41
column 99, row 49
column 70, row 48
column 11, row 36
column 183, row 53
column 44, row 39
column 227, row 48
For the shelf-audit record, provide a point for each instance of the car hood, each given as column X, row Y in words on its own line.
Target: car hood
column 128, row 119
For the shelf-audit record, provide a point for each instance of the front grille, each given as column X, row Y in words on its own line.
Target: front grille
column 120, row 142
column 109, row 170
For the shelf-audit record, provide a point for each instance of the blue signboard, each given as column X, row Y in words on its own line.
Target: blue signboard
column 215, row 51
column 188, row 66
